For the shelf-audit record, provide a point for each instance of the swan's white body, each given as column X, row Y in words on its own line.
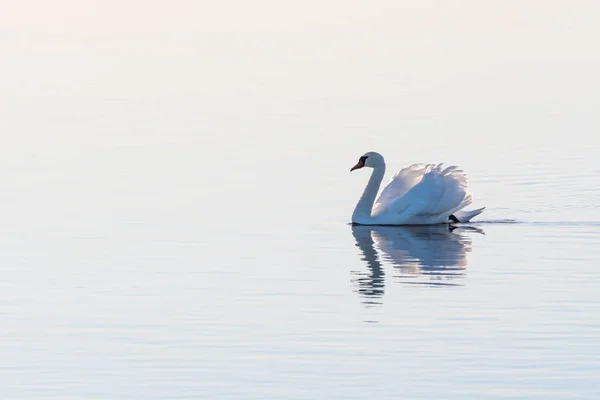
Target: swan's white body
column 417, row 195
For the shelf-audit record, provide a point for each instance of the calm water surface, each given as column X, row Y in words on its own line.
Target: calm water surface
column 132, row 279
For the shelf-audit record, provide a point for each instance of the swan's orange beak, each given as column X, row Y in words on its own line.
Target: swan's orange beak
column 359, row 164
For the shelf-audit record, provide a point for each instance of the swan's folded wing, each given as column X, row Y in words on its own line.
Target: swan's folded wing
column 400, row 184
column 439, row 193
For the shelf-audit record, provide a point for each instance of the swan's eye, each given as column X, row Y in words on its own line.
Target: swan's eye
column 364, row 158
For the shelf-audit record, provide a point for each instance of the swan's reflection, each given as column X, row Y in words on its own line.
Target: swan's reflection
column 429, row 254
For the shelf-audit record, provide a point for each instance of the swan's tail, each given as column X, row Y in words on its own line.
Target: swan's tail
column 465, row 216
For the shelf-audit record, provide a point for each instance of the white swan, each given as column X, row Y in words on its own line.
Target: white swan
column 417, row 195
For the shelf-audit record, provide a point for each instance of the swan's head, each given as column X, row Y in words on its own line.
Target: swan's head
column 370, row 159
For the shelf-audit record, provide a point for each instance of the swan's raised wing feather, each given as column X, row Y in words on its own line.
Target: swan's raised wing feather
column 438, row 193
column 401, row 183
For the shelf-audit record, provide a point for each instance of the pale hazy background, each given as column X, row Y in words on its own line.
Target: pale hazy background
column 90, row 85
column 104, row 99
column 175, row 187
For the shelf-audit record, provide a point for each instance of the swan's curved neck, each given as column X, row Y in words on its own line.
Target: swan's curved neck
column 364, row 206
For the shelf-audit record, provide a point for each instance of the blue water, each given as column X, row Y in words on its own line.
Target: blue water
column 185, row 304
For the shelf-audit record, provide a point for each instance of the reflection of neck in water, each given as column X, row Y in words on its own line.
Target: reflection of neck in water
column 437, row 252
column 370, row 285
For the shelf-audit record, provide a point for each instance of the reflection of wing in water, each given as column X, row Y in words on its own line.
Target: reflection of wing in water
column 433, row 252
